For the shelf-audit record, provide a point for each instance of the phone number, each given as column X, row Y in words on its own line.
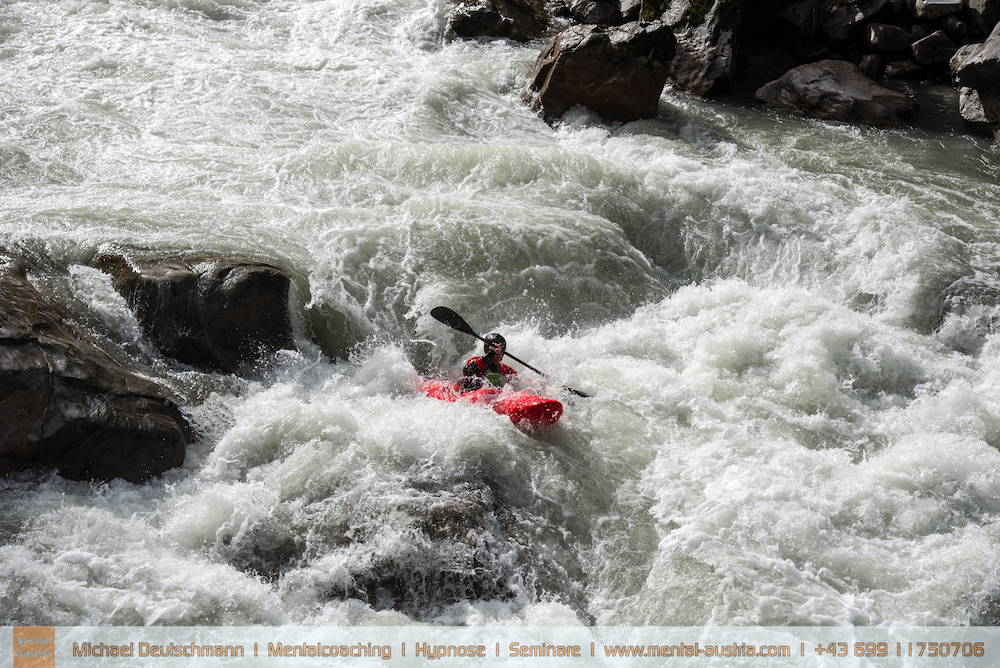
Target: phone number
column 932, row 649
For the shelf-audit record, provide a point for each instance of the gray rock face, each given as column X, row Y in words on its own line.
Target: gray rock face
column 619, row 72
column 704, row 62
column 210, row 312
column 981, row 110
column 975, row 69
column 978, row 66
column 69, row 403
column 837, row 90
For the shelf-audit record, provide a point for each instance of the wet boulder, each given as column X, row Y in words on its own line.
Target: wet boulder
column 970, row 311
column 837, row 90
column 69, row 399
column 211, row 312
column 618, row 72
column 519, row 20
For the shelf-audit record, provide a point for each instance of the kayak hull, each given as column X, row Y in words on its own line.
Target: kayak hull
column 522, row 407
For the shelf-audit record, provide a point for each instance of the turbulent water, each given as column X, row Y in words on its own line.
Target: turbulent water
column 782, row 431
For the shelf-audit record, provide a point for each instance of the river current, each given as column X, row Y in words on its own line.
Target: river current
column 782, row 431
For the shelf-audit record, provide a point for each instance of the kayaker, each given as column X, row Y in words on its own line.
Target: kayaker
column 488, row 369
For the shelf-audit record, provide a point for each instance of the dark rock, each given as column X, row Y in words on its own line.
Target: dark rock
column 844, row 22
column 933, row 49
column 988, row 10
column 207, row 311
column 954, row 27
column 903, row 69
column 618, row 72
column 705, row 32
column 69, row 403
column 804, row 18
column 978, row 66
column 767, row 64
column 519, row 20
column 871, row 65
column 837, row 90
column 596, row 12
column 883, row 37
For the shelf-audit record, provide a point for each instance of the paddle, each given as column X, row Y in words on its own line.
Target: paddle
column 445, row 315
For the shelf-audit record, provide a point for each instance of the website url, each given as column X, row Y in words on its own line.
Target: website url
column 733, row 650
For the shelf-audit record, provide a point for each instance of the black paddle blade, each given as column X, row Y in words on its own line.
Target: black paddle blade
column 445, row 315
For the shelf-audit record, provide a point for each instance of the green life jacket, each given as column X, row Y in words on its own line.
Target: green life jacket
column 495, row 377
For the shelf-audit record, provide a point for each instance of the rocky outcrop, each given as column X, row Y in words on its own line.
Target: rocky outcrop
column 837, row 90
column 706, row 33
column 70, row 403
column 976, row 71
column 211, row 312
column 520, row 20
column 617, row 71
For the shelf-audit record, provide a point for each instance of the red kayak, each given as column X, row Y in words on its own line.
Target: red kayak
column 521, row 407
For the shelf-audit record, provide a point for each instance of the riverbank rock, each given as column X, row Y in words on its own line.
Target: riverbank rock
column 706, row 35
column 211, row 312
column 617, row 71
column 519, row 20
column 976, row 71
column 837, row 90
column 69, row 403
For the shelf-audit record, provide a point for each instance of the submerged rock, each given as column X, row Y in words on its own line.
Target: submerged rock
column 208, row 311
column 69, row 403
column 837, row 90
column 619, row 72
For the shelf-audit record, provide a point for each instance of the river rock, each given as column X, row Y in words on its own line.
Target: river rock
column 210, row 312
column 844, row 22
column 596, row 12
column 619, row 72
column 519, row 20
column 884, row 37
column 706, row 37
column 988, row 11
column 981, row 110
column 933, row 49
column 837, row 90
column 68, row 400
column 970, row 311
column 978, row 65
column 805, row 18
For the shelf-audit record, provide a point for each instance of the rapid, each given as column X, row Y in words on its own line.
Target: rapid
column 782, row 430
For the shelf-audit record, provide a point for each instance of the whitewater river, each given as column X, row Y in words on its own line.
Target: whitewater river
column 781, row 432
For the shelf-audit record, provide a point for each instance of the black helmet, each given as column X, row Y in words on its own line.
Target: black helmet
column 491, row 339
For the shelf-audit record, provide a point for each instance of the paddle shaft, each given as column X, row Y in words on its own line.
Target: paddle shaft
column 455, row 321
